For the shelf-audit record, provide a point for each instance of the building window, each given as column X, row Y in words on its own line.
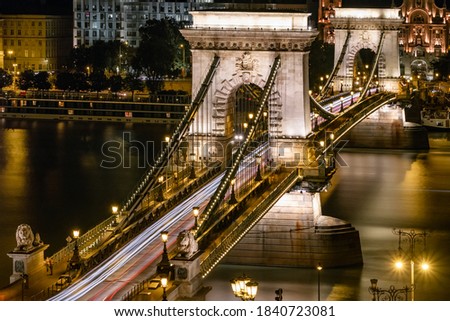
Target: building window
column 26, row 53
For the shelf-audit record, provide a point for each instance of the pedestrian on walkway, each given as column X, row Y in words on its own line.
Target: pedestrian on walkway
column 50, row 264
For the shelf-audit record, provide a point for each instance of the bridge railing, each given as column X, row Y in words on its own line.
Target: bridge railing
column 241, row 226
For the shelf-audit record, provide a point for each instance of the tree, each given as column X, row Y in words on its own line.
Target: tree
column 64, row 80
column 115, row 83
column 98, row 81
column 26, row 80
column 157, row 51
column 41, row 81
column 5, row 79
column 133, row 83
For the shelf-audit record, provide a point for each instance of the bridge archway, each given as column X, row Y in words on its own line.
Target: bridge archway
column 380, row 30
column 247, row 44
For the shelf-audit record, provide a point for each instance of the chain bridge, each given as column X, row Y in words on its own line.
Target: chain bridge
column 252, row 154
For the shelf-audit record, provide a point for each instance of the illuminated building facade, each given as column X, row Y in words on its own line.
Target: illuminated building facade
column 326, row 11
column 35, row 42
column 423, row 36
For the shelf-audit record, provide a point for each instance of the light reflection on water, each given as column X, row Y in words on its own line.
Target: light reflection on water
column 50, row 178
column 377, row 191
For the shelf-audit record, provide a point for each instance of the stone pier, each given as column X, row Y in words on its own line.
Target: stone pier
column 294, row 233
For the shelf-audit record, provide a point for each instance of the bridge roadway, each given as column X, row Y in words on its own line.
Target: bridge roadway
column 137, row 260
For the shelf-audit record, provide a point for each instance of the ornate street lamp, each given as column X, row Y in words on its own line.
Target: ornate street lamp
column 75, row 260
column 391, row 294
column 192, row 158
column 412, row 237
column 164, row 266
column 244, row 288
column 342, row 104
column 258, row 171
column 164, row 282
column 233, row 199
column 195, row 211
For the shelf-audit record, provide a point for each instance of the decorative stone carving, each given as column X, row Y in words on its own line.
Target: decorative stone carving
column 246, row 63
column 187, row 245
column 24, row 238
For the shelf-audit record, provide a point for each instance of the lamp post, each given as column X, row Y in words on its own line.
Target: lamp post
column 233, row 199
column 164, row 282
column 115, row 210
column 258, row 171
column 160, row 197
column 342, row 104
column 391, row 294
column 164, row 266
column 319, row 269
column 244, row 288
column 351, row 101
column 412, row 237
column 183, row 68
column 195, row 211
column 75, row 260
column 192, row 174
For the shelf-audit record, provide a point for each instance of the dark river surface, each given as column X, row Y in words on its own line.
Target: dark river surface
column 52, row 178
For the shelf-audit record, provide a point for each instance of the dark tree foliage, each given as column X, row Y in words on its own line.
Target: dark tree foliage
column 441, row 66
column 133, row 83
column 71, row 81
column 26, row 80
column 98, row 81
column 5, row 79
column 158, row 49
column 80, row 58
column 41, row 81
column 64, row 80
column 115, row 83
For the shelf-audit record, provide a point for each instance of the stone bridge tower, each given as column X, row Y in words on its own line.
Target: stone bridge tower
column 247, row 44
column 366, row 27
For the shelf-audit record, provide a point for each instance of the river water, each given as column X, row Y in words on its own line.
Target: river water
column 52, row 178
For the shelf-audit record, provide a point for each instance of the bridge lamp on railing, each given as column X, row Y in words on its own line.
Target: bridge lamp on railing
column 342, row 86
column 115, row 212
column 195, row 211
column 75, row 260
column 192, row 159
column 351, row 94
column 233, row 199
column 342, row 104
column 164, row 282
column 160, row 196
column 250, row 116
column 164, row 266
column 244, row 288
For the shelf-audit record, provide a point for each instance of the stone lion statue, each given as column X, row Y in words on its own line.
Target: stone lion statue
column 24, row 237
column 187, row 245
